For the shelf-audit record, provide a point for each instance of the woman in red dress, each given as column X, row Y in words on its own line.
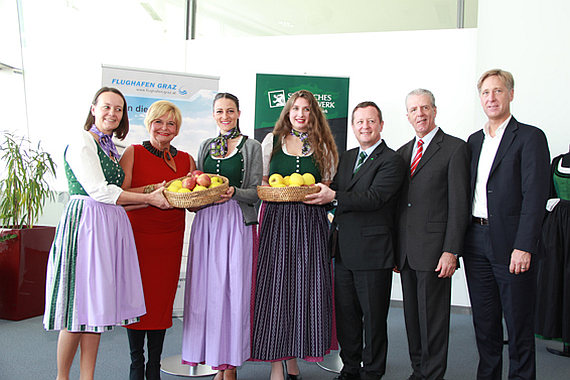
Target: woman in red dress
column 159, row 234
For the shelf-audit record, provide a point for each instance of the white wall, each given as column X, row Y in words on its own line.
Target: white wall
column 382, row 67
column 530, row 39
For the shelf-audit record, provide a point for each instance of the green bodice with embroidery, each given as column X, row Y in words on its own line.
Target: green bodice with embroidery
column 112, row 171
column 285, row 165
column 231, row 167
column 561, row 183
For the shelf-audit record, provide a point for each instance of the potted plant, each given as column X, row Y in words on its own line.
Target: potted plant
column 24, row 248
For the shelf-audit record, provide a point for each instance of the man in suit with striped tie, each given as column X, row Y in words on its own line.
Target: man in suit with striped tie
column 433, row 215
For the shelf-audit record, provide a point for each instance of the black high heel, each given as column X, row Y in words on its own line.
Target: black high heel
column 288, row 376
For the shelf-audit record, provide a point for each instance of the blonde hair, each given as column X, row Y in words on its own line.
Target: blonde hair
column 320, row 135
column 161, row 108
column 505, row 76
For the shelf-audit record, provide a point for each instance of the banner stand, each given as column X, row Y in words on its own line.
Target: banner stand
column 172, row 365
column 331, row 362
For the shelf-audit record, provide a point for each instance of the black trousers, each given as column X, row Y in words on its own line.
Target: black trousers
column 494, row 293
column 155, row 340
column 427, row 301
column 362, row 300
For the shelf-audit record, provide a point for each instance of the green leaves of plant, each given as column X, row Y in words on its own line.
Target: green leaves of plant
column 24, row 189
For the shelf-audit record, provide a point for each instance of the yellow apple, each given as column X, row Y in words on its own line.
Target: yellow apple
column 175, row 185
column 296, row 180
column 309, row 179
column 275, row 179
column 199, row 188
column 215, row 184
column 183, row 190
column 217, row 180
column 286, row 180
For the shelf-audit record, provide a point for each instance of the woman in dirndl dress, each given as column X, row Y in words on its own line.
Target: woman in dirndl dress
column 553, row 278
column 293, row 296
column 217, row 307
column 93, row 280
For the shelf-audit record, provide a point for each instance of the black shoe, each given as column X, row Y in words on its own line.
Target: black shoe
column 347, row 376
column 288, row 376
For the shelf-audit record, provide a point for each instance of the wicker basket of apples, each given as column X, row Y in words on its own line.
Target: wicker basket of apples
column 291, row 188
column 195, row 190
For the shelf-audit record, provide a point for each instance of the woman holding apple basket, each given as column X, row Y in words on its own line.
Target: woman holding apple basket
column 159, row 234
column 293, row 296
column 93, row 280
column 217, row 305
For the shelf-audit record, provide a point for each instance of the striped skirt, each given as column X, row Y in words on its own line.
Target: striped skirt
column 293, row 296
column 93, row 280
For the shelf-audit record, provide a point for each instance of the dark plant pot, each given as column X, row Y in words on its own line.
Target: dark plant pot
column 23, row 262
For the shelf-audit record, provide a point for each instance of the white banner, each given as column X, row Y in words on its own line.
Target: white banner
column 193, row 94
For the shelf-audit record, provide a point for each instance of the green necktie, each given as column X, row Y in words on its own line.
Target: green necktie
column 361, row 157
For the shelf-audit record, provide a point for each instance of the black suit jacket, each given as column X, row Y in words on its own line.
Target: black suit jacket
column 365, row 214
column 517, row 188
column 433, row 212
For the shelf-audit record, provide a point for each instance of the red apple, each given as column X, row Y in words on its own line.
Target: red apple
column 197, row 173
column 203, row 180
column 189, row 182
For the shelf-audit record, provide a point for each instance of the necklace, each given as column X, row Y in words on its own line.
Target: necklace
column 166, row 155
column 158, row 153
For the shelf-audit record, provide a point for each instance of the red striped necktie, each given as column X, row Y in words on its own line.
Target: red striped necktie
column 417, row 158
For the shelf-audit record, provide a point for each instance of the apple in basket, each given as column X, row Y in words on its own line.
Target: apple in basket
column 309, row 179
column 296, row 179
column 216, row 181
column 189, row 183
column 175, row 186
column 203, row 180
column 276, row 180
column 196, row 173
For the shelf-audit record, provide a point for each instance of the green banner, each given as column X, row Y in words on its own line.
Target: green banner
column 273, row 90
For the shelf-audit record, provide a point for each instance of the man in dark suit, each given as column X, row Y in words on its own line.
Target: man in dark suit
column 365, row 191
column 433, row 215
column 509, row 189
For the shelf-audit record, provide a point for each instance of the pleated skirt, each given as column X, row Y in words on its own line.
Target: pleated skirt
column 217, row 300
column 553, row 279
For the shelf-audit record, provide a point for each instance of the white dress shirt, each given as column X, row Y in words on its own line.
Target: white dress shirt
column 426, row 139
column 368, row 153
column 486, row 158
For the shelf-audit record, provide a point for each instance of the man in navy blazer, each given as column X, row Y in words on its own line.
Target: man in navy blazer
column 364, row 190
column 433, row 215
column 509, row 189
